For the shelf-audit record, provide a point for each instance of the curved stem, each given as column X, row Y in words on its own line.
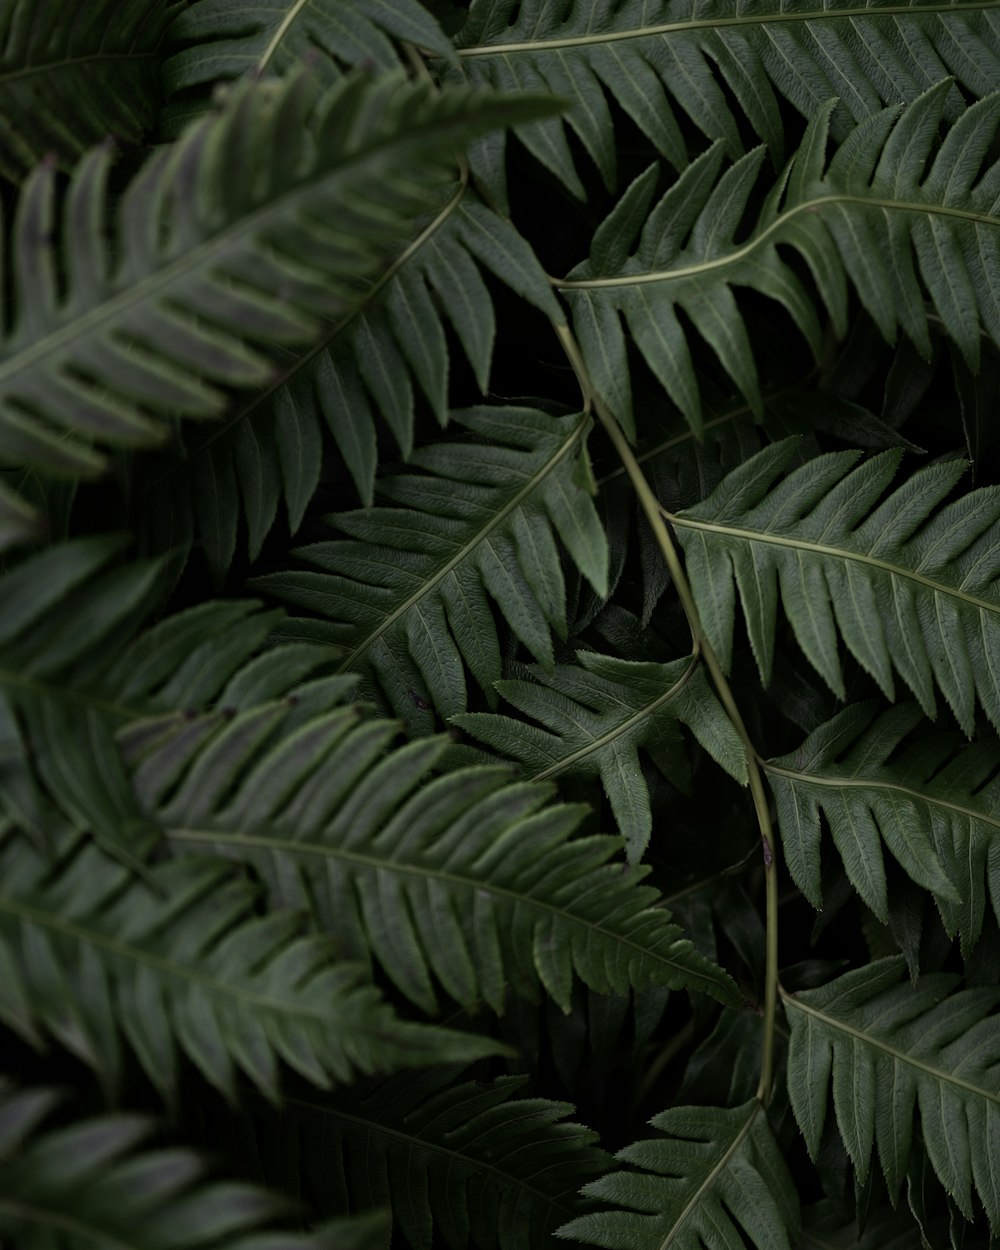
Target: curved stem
column 657, row 521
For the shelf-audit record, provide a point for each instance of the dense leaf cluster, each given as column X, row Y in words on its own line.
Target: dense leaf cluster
column 590, row 830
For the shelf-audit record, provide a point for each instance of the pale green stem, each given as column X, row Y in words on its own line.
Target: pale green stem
column 419, row 66
column 655, row 515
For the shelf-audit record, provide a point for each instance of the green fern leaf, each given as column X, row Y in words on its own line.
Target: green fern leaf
column 364, row 371
column 595, row 717
column 931, row 802
column 223, row 254
column 907, row 582
column 93, row 1183
column 227, row 40
column 716, row 1178
column 652, row 57
column 470, row 1162
column 891, row 1048
column 875, row 214
column 466, row 878
column 71, row 76
column 683, row 468
column 410, row 592
column 92, row 954
column 76, row 665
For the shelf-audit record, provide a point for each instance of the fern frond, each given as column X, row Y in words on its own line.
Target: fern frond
column 715, row 1178
column 908, row 582
column 181, row 963
column 891, row 211
column 595, row 717
column 410, row 593
column 472, row 1163
column 76, row 665
column 932, row 801
column 69, row 77
column 224, row 251
column 683, row 468
column 653, row 57
column 93, row 1183
column 466, row 878
column 227, row 40
column 359, row 377
column 891, row 1048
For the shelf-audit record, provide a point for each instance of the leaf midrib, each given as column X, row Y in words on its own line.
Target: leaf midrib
column 861, row 783
column 305, row 359
column 124, row 950
column 480, row 536
column 900, row 1056
column 759, row 240
column 412, row 1140
column 622, row 727
column 161, row 279
column 709, row 1180
column 69, row 62
column 289, row 20
column 840, row 553
column 670, row 28
column 293, row 848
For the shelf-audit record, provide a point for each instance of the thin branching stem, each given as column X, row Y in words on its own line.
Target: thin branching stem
column 657, row 519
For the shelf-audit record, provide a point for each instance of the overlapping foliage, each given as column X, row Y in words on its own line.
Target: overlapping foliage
column 94, row 1183
column 65, row 85
column 888, row 1046
column 505, row 349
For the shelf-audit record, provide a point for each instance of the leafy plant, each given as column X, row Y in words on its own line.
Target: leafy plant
column 598, row 398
